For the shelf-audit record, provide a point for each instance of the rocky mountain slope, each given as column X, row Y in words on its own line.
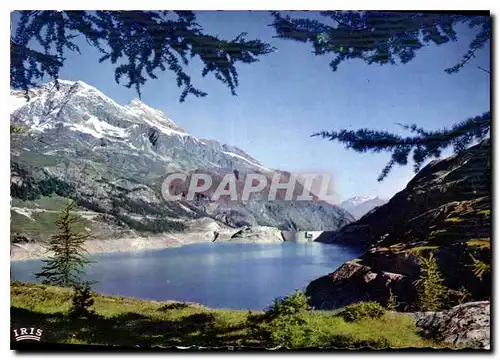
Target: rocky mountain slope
column 358, row 206
column 112, row 160
column 445, row 209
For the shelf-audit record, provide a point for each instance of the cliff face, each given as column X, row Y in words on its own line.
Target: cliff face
column 447, row 200
column 445, row 208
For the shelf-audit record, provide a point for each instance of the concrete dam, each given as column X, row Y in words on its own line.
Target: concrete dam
column 301, row 236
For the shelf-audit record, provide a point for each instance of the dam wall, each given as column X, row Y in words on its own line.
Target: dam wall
column 301, row 236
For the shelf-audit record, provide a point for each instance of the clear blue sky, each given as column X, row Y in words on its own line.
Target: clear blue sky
column 291, row 94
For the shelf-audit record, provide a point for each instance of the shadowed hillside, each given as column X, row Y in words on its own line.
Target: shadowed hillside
column 445, row 208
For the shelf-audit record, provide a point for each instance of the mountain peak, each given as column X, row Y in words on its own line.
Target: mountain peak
column 136, row 102
column 138, row 107
column 360, row 199
column 73, row 83
column 360, row 205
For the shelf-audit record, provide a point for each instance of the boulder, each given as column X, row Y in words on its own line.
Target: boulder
column 354, row 282
column 257, row 234
column 464, row 326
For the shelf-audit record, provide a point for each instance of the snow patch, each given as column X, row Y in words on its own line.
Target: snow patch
column 100, row 129
column 358, row 200
column 164, row 129
column 16, row 102
column 154, row 117
column 245, row 159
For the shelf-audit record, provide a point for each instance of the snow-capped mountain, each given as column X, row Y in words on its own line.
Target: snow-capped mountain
column 88, row 116
column 112, row 159
column 358, row 206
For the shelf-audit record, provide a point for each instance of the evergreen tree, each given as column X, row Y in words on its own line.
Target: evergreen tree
column 382, row 37
column 429, row 287
column 82, row 301
column 66, row 266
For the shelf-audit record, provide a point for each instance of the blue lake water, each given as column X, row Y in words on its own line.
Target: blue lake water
column 218, row 275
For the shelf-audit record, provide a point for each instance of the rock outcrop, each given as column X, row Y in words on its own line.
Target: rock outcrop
column 464, row 326
column 257, row 234
column 353, row 282
column 444, row 209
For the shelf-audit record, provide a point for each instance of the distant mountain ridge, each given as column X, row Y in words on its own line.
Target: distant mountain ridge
column 358, row 206
column 112, row 160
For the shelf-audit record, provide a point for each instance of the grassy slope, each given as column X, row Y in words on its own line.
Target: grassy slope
column 52, row 202
column 40, row 225
column 130, row 322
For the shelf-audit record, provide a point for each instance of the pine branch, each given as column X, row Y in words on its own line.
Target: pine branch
column 476, row 44
column 378, row 37
column 425, row 144
column 486, row 71
column 142, row 42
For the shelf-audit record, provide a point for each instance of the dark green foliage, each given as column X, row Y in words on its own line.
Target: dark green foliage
column 89, row 204
column 291, row 305
column 81, row 302
column 431, row 293
column 377, row 37
column 124, row 321
column 66, row 266
column 465, row 295
column 362, row 310
column 425, row 144
column 148, row 225
column 139, row 43
column 30, row 189
column 289, row 331
column 284, row 323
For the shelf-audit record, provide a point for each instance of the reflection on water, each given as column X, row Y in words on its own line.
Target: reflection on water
column 244, row 276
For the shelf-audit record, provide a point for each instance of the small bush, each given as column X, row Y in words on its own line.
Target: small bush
column 82, row 301
column 362, row 310
column 292, row 304
column 283, row 324
column 290, row 332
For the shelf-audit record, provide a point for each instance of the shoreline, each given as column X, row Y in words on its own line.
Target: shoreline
column 245, row 235
column 37, row 250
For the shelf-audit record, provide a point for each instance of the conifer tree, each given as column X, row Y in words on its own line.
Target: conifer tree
column 66, row 266
column 82, row 301
column 429, row 287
